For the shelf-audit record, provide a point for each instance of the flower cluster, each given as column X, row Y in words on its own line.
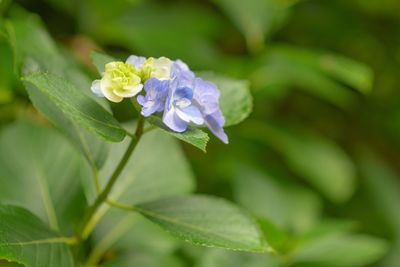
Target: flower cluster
column 169, row 87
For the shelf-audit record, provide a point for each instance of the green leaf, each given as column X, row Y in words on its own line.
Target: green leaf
column 26, row 240
column 321, row 74
column 157, row 163
column 206, row 221
column 236, row 102
column 382, row 184
column 157, row 169
column 298, row 209
column 148, row 260
column 316, row 159
column 35, row 50
column 341, row 251
column 192, row 135
column 149, row 39
column 7, row 77
column 76, row 105
column 39, row 171
column 100, row 60
column 353, row 73
column 131, row 233
column 93, row 148
column 255, row 18
column 226, row 258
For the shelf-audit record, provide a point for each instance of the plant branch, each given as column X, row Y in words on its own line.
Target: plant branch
column 87, row 224
column 120, row 205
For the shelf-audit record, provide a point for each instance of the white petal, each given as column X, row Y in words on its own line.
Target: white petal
column 96, row 88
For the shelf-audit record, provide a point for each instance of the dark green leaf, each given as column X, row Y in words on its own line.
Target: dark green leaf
column 35, row 50
column 76, row 105
column 192, row 135
column 206, row 221
column 93, row 148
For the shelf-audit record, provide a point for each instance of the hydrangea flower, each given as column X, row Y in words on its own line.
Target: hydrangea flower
column 180, row 109
column 119, row 80
column 170, row 87
column 156, row 95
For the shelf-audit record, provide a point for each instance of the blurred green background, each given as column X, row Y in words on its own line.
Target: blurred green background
column 317, row 162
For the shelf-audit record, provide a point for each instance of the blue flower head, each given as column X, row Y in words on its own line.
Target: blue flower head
column 170, row 87
column 180, row 109
column 156, row 95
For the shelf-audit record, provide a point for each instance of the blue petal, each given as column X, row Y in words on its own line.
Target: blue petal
column 183, row 92
column 190, row 114
column 179, row 68
column 174, row 122
column 141, row 100
column 136, row 61
column 213, row 123
column 156, row 94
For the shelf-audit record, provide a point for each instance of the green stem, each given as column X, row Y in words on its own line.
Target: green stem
column 120, row 205
column 87, row 225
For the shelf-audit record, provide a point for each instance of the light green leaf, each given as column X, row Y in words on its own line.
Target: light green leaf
column 341, row 251
column 130, row 232
column 26, row 240
column 316, row 159
column 39, row 171
column 157, row 169
column 100, row 60
column 236, row 101
column 77, row 106
column 206, row 221
column 192, row 135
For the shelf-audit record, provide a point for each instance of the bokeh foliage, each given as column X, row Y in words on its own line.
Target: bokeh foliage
column 317, row 162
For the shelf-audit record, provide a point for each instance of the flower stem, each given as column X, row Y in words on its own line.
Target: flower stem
column 85, row 229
